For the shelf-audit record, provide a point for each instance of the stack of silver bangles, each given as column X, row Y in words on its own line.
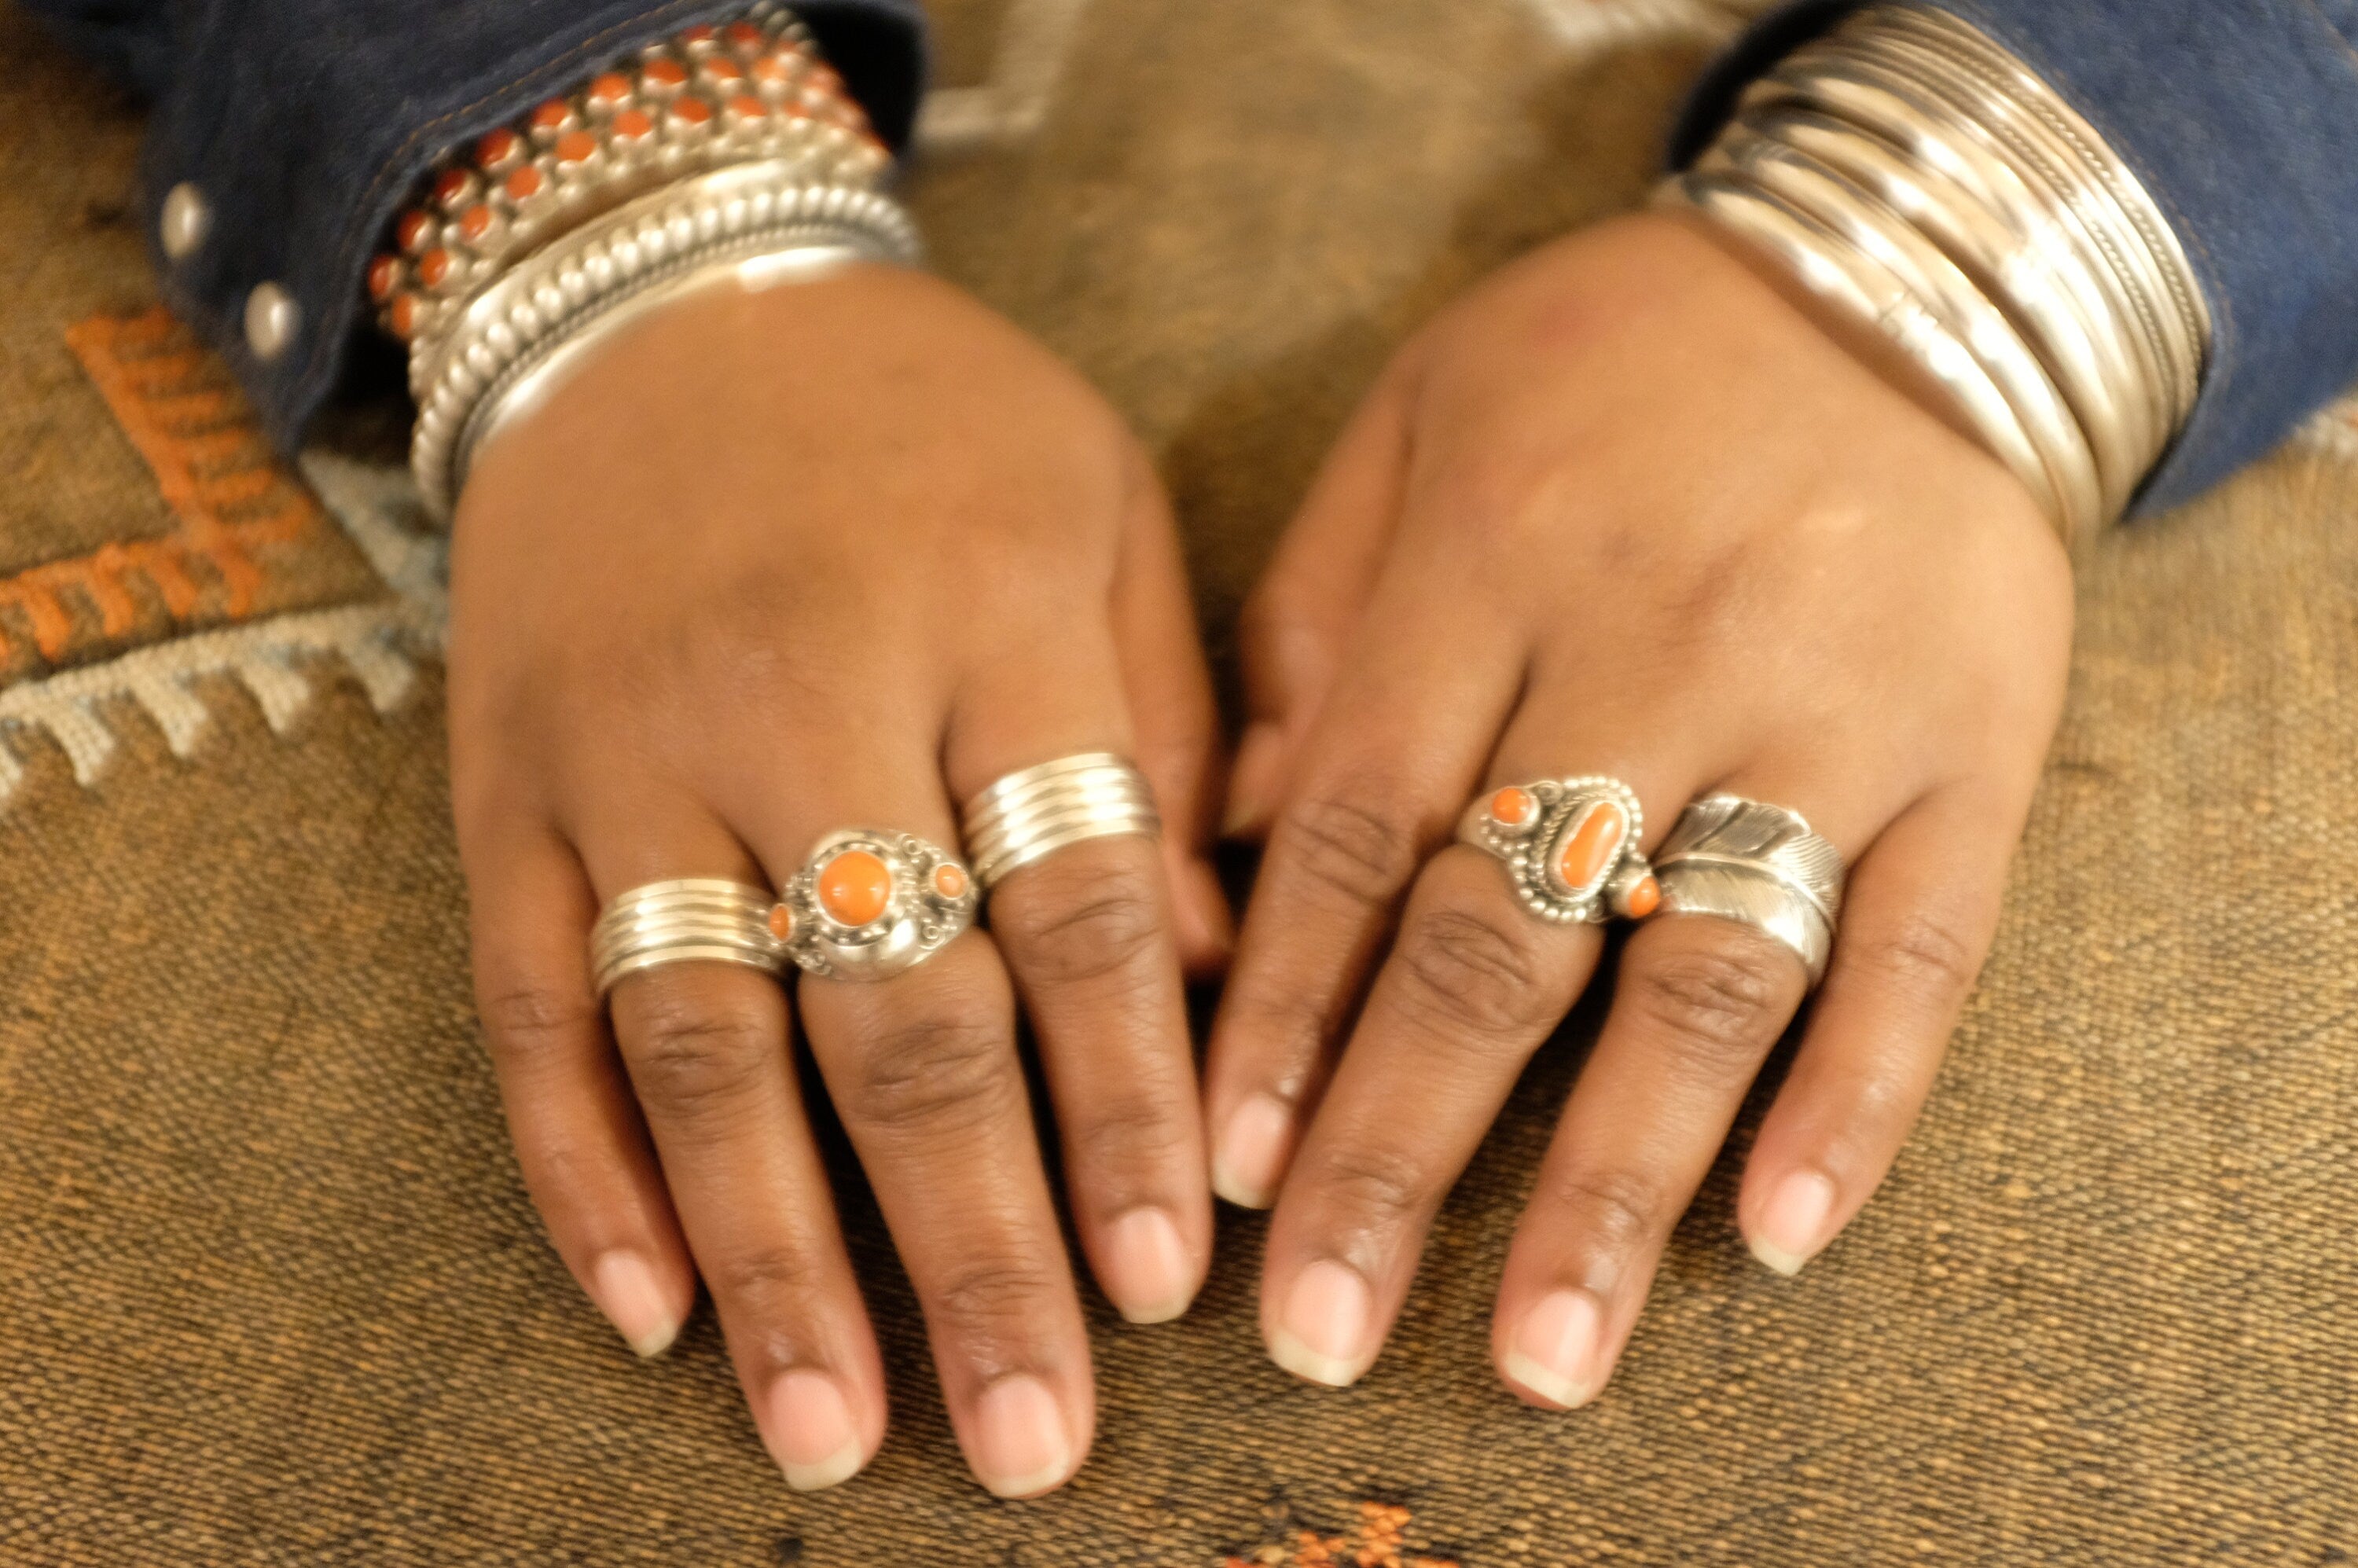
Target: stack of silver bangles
column 1912, row 173
column 724, row 154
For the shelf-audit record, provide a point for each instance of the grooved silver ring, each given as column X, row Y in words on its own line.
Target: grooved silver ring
column 686, row 920
column 1759, row 865
column 1034, row 812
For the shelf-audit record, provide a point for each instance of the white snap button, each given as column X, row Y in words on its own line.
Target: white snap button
column 272, row 318
column 187, row 220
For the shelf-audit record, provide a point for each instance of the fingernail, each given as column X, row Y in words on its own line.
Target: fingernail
column 1556, row 1352
column 809, row 1432
column 1793, row 1227
column 1251, row 1153
column 1146, row 1270
column 1323, row 1333
column 1020, row 1446
column 626, row 1290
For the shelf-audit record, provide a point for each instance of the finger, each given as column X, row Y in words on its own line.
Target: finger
column 922, row 1067
column 1308, row 602
column 1398, row 750
column 1474, row 984
column 579, row 1139
column 1174, row 719
column 708, row 1056
column 1087, row 931
column 1917, row 919
column 1699, row 1003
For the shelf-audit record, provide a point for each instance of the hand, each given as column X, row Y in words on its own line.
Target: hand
column 1627, row 510
column 837, row 554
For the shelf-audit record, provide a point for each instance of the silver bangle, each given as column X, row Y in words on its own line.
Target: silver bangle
column 1911, row 172
column 727, row 216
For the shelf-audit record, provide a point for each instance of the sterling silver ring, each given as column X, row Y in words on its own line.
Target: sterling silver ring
column 1570, row 847
column 686, row 920
column 1031, row 813
column 870, row 902
column 1757, row 864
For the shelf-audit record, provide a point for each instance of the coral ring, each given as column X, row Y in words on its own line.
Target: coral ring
column 870, row 902
column 1570, row 847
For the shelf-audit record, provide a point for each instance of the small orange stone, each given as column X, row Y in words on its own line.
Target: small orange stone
column 434, row 267
column 383, row 278
column 525, row 183
column 745, row 35
column 782, row 923
column 476, row 221
column 492, row 153
column 553, row 115
column 576, row 146
column 949, row 881
column 415, row 232
column 691, row 111
column 855, row 887
column 720, row 69
column 1645, row 898
column 402, row 316
column 662, row 74
column 745, row 106
column 611, row 88
column 631, row 125
column 1589, row 848
column 1511, row 808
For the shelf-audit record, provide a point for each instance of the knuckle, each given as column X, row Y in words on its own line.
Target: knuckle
column 774, row 1278
column 1074, row 926
column 1377, row 1189
column 1131, row 1132
column 935, row 1071
column 1923, row 954
column 994, row 1307
column 1719, row 1007
column 530, row 1023
column 1619, row 1211
column 1354, row 847
column 1473, row 972
column 691, row 1055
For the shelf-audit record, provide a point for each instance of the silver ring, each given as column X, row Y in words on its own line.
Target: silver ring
column 1757, row 864
column 870, row 902
column 688, row 920
column 1032, row 813
column 1570, row 847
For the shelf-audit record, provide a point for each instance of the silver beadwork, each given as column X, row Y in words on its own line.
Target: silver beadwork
column 1758, row 864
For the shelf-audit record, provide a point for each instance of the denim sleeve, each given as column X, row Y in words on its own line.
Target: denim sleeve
column 305, row 123
column 2241, row 117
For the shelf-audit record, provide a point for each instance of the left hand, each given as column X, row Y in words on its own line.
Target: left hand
column 1632, row 509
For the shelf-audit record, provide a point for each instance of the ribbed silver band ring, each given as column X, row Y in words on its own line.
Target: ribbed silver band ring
column 688, row 920
column 1031, row 813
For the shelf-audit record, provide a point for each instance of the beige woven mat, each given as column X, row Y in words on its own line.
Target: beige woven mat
column 269, row 1292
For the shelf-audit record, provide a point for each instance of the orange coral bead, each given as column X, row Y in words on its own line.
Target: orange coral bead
column 691, row 111
column 631, row 125
column 854, row 886
column 1511, row 808
column 662, row 75
column 610, row 89
column 949, row 881
column 434, row 267
column 383, row 278
column 782, row 923
column 576, row 146
column 1645, row 898
column 476, row 221
column 526, row 183
column 1589, row 848
column 497, row 149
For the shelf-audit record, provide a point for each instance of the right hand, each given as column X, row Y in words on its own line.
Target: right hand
column 838, row 553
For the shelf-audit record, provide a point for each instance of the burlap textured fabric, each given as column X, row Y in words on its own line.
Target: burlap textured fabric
column 269, row 1290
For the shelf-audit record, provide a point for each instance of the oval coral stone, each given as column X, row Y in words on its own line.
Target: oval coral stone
column 854, row 886
column 1511, row 808
column 949, row 881
column 1589, row 848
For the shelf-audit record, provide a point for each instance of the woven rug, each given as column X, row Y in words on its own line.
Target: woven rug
column 270, row 1292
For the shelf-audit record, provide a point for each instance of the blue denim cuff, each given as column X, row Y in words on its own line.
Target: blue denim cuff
column 305, row 123
column 2241, row 117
